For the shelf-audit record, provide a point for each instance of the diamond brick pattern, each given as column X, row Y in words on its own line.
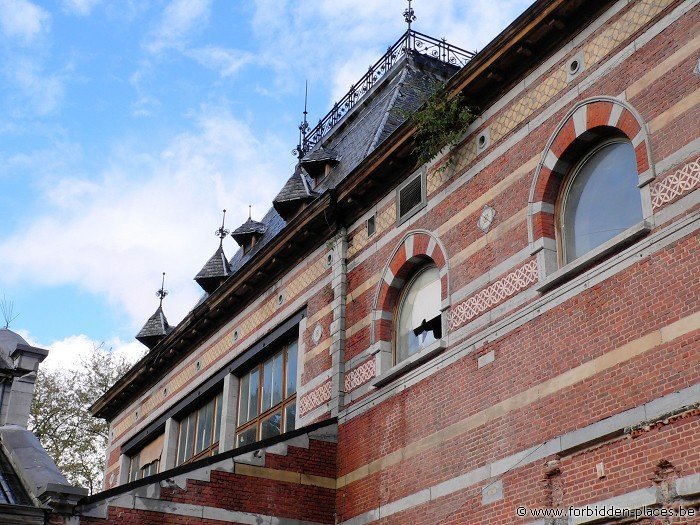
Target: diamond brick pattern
column 360, row 375
column 315, row 398
column 527, row 104
column 680, row 182
column 494, row 294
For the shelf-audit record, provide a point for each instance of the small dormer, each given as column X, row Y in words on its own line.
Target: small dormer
column 217, row 268
column 319, row 163
column 157, row 327
column 248, row 234
column 214, row 272
column 295, row 195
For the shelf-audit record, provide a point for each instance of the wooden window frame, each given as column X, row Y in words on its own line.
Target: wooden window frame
column 214, row 446
column 281, row 406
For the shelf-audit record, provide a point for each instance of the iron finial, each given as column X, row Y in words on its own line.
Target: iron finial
column 250, row 211
column 222, row 231
column 409, row 15
column 162, row 292
column 300, row 150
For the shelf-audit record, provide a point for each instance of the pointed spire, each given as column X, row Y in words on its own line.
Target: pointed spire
column 157, row 327
column 162, row 292
column 222, row 231
column 301, row 148
column 409, row 15
column 217, row 268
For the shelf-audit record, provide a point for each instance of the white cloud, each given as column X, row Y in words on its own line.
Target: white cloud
column 180, row 18
column 80, row 7
column 113, row 234
column 226, row 62
column 334, row 41
column 23, row 20
column 44, row 92
column 71, row 352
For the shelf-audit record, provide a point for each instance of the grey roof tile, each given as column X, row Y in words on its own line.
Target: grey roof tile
column 155, row 329
column 246, row 230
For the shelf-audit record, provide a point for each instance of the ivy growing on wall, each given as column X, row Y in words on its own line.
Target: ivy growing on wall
column 440, row 122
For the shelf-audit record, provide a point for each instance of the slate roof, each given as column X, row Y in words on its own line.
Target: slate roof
column 273, row 225
column 387, row 106
column 216, row 269
column 315, row 161
column 296, row 191
column 155, row 329
column 247, row 230
column 361, row 131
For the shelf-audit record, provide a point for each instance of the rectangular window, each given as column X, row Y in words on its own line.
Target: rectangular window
column 147, row 460
column 371, row 226
column 199, row 432
column 267, row 400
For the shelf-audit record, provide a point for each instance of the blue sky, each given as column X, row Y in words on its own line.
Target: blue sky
column 126, row 126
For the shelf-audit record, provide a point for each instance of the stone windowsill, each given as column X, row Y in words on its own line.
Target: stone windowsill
column 564, row 273
column 410, row 363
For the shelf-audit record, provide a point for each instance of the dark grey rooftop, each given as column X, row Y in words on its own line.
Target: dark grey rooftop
column 155, row 328
column 8, row 343
column 295, row 192
column 247, row 230
column 217, row 266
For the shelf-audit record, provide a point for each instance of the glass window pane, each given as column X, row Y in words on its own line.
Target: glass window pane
column 291, row 369
column 290, row 413
column 602, row 201
column 243, row 399
column 272, row 426
column 189, row 446
column 134, row 468
column 277, row 375
column 254, row 383
column 205, row 421
column 217, row 418
column 419, row 321
column 247, row 436
column 182, row 442
column 267, row 386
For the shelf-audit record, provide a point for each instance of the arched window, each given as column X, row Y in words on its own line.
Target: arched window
column 418, row 319
column 601, row 199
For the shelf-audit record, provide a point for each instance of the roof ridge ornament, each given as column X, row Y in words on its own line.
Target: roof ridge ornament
column 162, row 292
column 301, row 150
column 222, row 231
column 409, row 15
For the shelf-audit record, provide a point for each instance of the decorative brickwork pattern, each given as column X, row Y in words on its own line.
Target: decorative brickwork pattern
column 494, row 294
column 315, row 398
column 524, row 107
column 675, row 185
column 414, row 251
column 224, row 344
column 360, row 375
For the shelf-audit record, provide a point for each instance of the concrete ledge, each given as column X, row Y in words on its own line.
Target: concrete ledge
column 688, row 486
column 573, row 268
column 408, row 364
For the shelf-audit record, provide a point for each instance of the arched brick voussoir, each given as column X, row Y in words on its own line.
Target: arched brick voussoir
column 588, row 117
column 413, row 251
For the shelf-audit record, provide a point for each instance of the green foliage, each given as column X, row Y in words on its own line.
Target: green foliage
column 61, row 419
column 441, row 122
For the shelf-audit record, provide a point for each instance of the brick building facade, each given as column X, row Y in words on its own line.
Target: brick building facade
column 448, row 343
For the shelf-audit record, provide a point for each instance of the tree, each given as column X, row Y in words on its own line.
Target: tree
column 61, row 419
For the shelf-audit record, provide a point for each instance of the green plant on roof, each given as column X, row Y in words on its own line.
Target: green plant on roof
column 440, row 122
